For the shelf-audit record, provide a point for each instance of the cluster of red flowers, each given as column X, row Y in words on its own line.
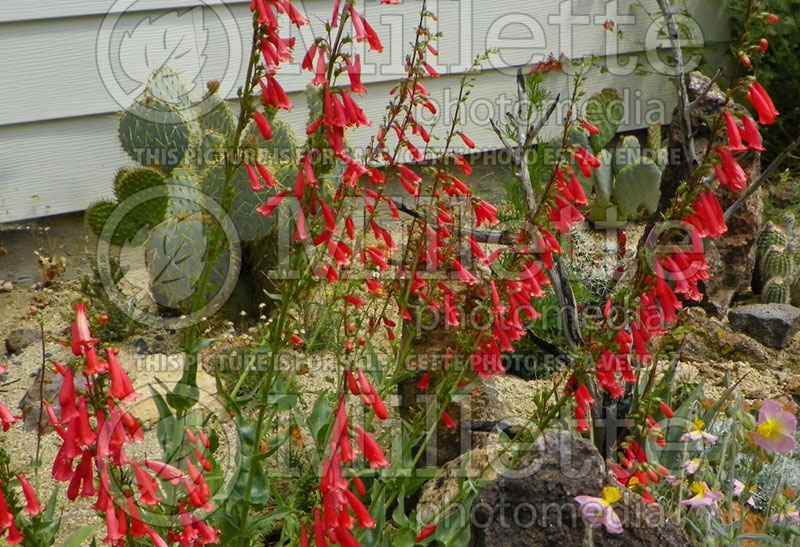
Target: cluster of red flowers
column 333, row 521
column 100, row 448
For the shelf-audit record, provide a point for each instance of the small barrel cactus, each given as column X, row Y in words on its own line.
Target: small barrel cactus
column 776, row 291
column 777, row 263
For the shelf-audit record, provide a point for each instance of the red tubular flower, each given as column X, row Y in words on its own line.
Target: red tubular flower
column 148, row 486
column 7, row 418
column 6, row 518
column 733, row 134
column 272, row 203
column 734, row 176
column 586, row 162
column 448, row 420
column 112, row 527
column 763, row 44
column 707, row 217
column 354, row 73
column 14, row 536
column 121, row 386
column 263, row 125
column 467, row 141
column 319, row 532
column 425, row 532
column 66, row 395
column 83, row 476
column 81, row 336
column 165, row 471
column 93, row 363
column 32, row 507
column 758, row 97
column 750, row 134
column 86, row 436
column 362, row 515
column 463, row 275
column 591, row 128
column 425, row 383
column 359, row 486
column 485, row 213
column 369, row 447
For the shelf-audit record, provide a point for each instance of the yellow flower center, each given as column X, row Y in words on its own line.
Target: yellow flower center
column 633, row 481
column 611, row 495
column 698, row 425
column 769, row 429
column 698, row 488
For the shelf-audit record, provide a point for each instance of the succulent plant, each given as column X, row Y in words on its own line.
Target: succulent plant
column 629, row 178
column 777, row 262
column 179, row 145
column 776, row 291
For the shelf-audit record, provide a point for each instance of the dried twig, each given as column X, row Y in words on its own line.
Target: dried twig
column 684, row 106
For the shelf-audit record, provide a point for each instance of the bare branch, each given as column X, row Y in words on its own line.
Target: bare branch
column 684, row 106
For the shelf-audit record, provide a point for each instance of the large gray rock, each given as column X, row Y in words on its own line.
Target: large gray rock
column 19, row 339
column 534, row 504
column 773, row 325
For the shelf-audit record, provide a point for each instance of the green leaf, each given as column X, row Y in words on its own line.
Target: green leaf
column 79, row 537
column 320, row 418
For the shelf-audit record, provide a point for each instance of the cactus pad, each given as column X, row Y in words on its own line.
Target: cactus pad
column 175, row 258
column 638, row 184
column 154, row 133
column 605, row 111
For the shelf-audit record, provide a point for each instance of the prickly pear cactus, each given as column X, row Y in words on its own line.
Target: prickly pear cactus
column 628, row 180
column 179, row 144
column 776, row 291
column 638, row 185
column 605, row 111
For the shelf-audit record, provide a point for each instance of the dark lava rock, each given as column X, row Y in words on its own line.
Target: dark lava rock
column 773, row 325
column 19, row 339
column 534, row 504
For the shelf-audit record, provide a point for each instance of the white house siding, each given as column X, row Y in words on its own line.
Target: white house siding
column 59, row 64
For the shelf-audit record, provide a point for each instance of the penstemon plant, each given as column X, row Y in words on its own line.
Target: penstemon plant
column 352, row 282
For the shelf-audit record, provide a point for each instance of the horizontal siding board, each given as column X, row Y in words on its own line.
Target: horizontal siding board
column 70, row 80
column 59, row 167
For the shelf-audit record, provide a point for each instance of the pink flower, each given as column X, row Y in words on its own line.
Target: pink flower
column 776, row 428
column 690, row 467
column 697, row 434
column 789, row 514
column 703, row 497
column 738, row 489
column 597, row 511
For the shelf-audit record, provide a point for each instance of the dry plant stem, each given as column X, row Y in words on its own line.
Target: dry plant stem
column 41, row 403
column 684, row 108
column 760, row 180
